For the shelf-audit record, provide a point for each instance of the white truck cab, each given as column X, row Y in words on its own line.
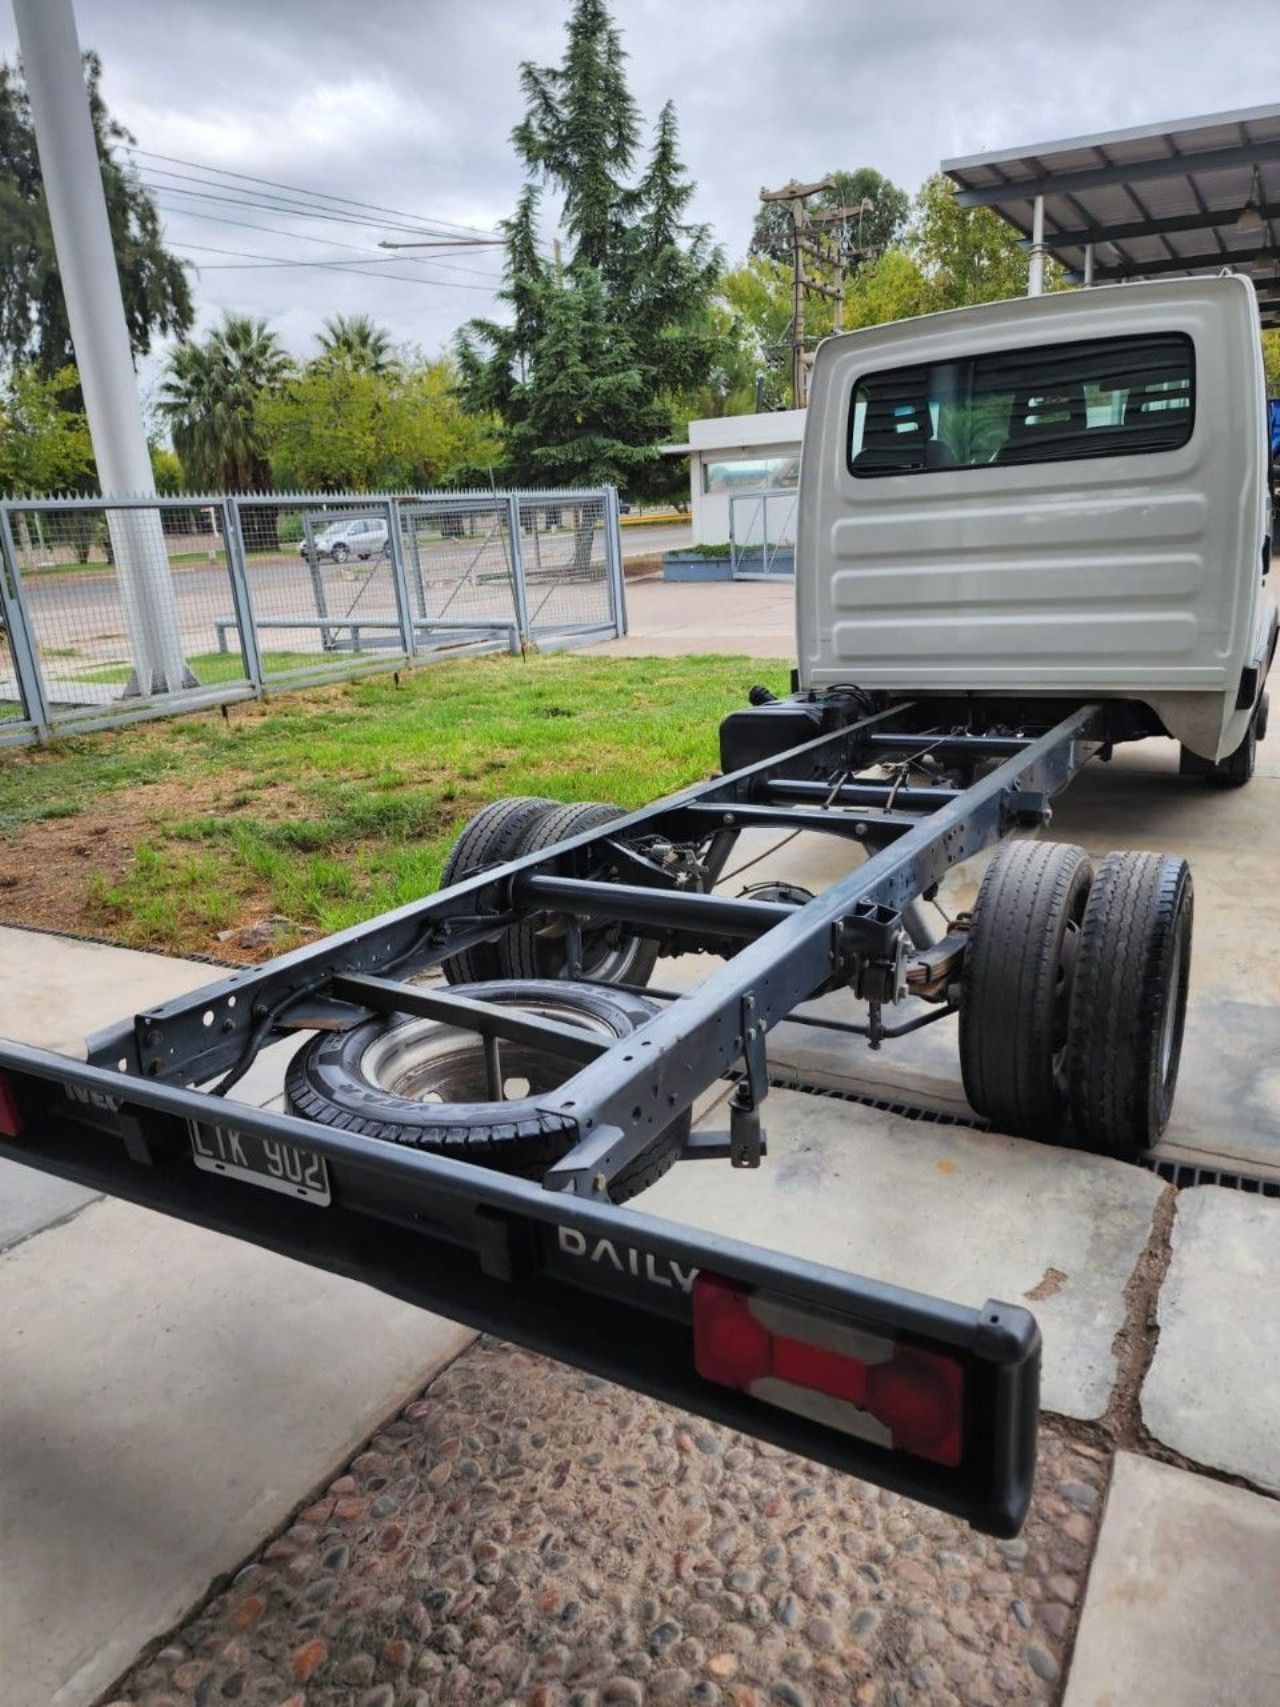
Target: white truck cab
column 1064, row 496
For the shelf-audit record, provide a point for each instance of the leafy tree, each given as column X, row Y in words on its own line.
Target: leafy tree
column 1271, row 361
column 354, row 341
column 333, row 427
column 753, row 306
column 892, row 287
column 633, row 259
column 33, row 315
column 968, row 254
column 862, row 236
column 44, row 447
column 166, row 471
column 210, row 397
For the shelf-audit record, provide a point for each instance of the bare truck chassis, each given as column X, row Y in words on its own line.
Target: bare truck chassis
column 859, row 1372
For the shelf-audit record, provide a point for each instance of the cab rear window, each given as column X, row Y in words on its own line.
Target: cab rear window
column 1054, row 403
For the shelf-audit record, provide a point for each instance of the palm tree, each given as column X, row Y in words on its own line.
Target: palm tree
column 210, row 396
column 354, row 341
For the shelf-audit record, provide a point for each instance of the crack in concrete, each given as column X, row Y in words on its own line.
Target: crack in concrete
column 1121, row 1428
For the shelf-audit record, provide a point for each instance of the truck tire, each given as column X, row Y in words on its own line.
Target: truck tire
column 1237, row 768
column 610, row 954
column 421, row 1083
column 1015, row 983
column 493, row 835
column 1129, row 1001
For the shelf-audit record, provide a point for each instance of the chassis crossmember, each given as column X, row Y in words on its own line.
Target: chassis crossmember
column 932, row 1399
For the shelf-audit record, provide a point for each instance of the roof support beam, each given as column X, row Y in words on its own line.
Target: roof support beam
column 1106, row 233
column 1240, row 156
column 1212, row 258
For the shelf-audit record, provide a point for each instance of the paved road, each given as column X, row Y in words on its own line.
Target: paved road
column 78, row 617
column 664, row 536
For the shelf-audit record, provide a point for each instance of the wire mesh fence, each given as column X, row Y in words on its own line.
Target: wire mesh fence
column 566, row 562
column 124, row 608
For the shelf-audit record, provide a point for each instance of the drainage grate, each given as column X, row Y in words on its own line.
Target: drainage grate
column 908, row 1111
column 1180, row 1174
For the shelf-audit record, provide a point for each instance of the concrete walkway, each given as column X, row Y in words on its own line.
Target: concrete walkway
column 169, row 1396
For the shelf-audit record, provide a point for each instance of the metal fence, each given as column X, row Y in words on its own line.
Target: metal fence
column 762, row 533
column 123, row 608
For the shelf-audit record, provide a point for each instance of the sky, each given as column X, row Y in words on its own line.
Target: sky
column 409, row 104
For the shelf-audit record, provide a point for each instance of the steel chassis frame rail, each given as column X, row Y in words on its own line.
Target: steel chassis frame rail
column 557, row 1266
column 852, row 934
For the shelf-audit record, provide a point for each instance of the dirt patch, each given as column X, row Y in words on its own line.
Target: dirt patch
column 54, row 869
column 1047, row 1286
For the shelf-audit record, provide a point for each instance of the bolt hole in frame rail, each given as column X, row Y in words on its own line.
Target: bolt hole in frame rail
column 931, row 1399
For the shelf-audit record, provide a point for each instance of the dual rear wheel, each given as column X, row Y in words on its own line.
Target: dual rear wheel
column 541, row 947
column 1074, row 992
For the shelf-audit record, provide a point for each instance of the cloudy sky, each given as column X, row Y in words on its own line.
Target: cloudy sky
column 408, row 104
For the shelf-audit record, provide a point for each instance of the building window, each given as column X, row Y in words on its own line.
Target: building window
column 1055, row 403
column 751, row 474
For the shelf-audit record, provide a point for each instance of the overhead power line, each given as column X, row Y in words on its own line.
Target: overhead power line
column 326, row 242
column 255, row 263
column 318, row 195
column 298, row 210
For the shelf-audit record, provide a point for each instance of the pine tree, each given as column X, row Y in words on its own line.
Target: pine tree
column 586, row 416
column 671, row 269
column 626, row 312
column 581, row 131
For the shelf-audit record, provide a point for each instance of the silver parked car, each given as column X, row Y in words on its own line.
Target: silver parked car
column 364, row 537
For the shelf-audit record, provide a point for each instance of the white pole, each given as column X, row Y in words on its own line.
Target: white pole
column 54, row 76
column 1088, row 265
column 1035, row 273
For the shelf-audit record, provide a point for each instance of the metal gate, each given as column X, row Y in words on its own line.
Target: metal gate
column 762, row 535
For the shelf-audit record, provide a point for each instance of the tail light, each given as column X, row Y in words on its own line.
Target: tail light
column 897, row 1395
column 10, row 1113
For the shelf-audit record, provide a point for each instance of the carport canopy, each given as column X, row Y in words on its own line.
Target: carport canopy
column 1192, row 196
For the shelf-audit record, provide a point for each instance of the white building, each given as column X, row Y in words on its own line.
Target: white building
column 741, row 458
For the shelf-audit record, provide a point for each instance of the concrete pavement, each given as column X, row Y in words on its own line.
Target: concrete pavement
column 1213, row 1391
column 169, row 1395
column 1181, row 1609
column 671, row 619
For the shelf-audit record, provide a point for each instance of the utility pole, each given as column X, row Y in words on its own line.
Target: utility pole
column 54, row 76
column 802, row 245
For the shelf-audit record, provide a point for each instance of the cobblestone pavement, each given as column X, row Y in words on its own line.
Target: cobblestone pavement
column 524, row 1534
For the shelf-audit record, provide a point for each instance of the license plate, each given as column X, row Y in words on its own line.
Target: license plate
column 262, row 1161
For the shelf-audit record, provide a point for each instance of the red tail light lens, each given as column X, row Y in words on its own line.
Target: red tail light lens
column 10, row 1113
column 901, row 1396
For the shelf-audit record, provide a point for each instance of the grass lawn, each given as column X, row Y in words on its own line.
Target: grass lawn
column 329, row 805
column 211, row 667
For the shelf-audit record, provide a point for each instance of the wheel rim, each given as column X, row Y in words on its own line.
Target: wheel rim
column 425, row 1061
column 608, row 955
column 1172, row 1004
